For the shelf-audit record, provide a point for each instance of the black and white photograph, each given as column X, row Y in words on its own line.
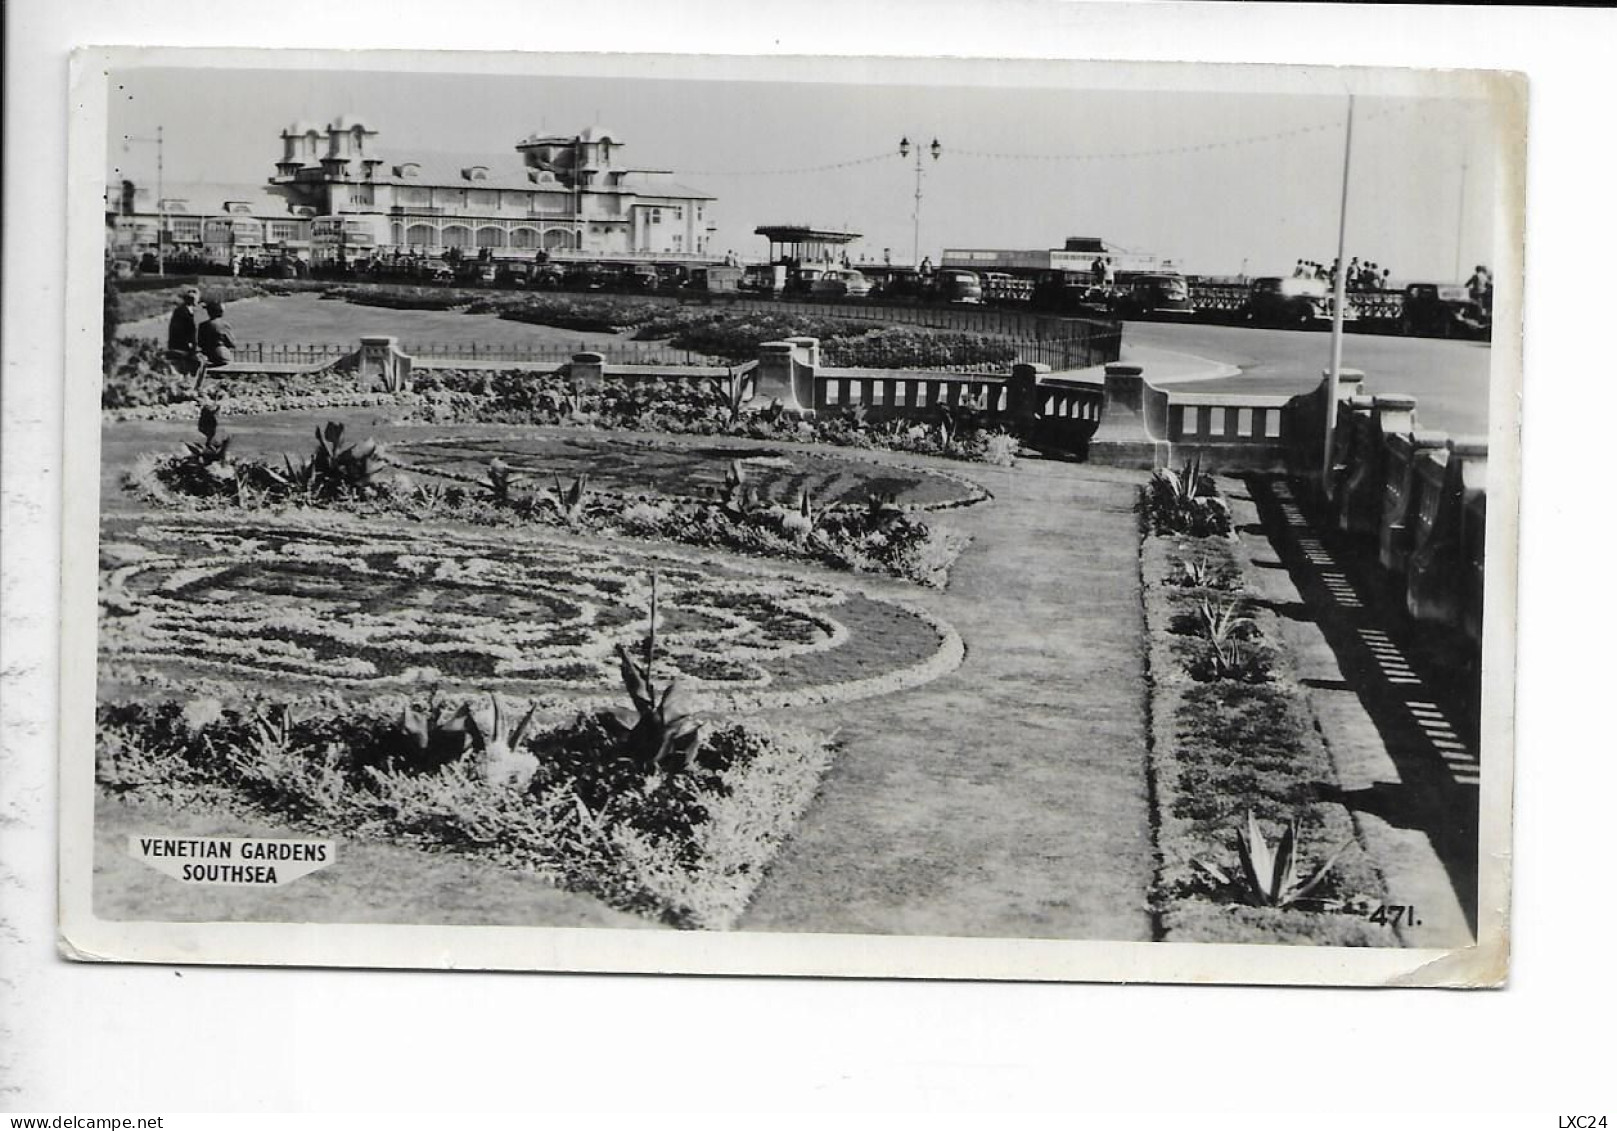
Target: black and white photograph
column 879, row 517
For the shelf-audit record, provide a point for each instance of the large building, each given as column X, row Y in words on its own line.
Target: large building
column 205, row 223
column 337, row 195
column 561, row 194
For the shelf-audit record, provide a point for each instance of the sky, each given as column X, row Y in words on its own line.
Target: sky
column 1220, row 171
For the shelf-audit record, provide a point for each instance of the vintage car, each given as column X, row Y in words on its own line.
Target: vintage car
column 958, row 286
column 841, row 282
column 640, row 277
column 1277, row 301
column 1442, row 310
column 1152, row 295
column 757, row 279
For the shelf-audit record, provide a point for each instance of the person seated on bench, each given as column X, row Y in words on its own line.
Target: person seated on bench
column 214, row 336
column 184, row 347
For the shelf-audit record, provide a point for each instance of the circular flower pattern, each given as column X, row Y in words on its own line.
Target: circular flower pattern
column 345, row 606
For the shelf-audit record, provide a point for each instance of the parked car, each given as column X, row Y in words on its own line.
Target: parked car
column 841, row 282
column 639, row 277
column 959, row 286
column 587, row 277
column 1440, row 310
column 1000, row 287
column 1277, row 301
column 801, row 281
column 1153, row 295
column 1069, row 292
column 757, row 279
column 548, row 276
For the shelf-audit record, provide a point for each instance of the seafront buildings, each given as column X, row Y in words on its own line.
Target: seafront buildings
column 339, row 195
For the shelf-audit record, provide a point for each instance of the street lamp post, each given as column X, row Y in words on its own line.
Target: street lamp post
column 904, row 151
column 1327, row 456
column 162, row 214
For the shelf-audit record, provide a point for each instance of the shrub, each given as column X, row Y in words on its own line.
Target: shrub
column 687, row 848
column 1186, row 502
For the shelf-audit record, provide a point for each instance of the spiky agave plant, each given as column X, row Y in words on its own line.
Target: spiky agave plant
column 429, row 741
column 498, row 750
column 655, row 736
column 570, row 501
column 800, row 523
column 1225, row 625
column 735, row 393
column 499, row 480
column 344, row 470
column 738, row 496
column 1269, row 875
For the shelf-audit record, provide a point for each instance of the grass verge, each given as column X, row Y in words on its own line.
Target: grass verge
column 1230, row 740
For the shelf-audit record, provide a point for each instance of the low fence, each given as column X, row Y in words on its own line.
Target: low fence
column 478, row 353
column 1053, row 409
column 1372, row 310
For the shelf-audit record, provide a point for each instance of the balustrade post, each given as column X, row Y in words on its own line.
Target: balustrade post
column 588, row 370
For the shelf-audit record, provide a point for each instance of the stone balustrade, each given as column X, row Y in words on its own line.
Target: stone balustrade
column 1420, row 497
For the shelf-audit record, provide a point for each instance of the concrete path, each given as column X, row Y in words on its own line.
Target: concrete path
column 1394, row 700
column 1009, row 798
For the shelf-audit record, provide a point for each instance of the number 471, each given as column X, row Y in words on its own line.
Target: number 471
column 1394, row 915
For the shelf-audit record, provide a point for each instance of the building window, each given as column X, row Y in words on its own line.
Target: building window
column 482, row 198
column 656, row 216
column 414, row 196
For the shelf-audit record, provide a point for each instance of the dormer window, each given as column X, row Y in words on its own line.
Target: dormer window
column 475, row 172
column 409, row 169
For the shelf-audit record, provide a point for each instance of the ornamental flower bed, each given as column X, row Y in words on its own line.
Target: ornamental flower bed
column 320, row 601
column 683, row 846
column 878, row 537
column 1237, row 762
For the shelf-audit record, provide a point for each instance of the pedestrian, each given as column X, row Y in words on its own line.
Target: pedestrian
column 184, row 350
column 214, row 336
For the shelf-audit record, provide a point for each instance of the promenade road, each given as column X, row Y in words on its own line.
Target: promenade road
column 1448, row 378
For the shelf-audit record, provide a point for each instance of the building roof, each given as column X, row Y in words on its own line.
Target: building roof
column 207, row 198
column 802, row 233
column 593, row 133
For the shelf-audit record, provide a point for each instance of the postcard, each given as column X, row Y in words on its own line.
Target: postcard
column 858, row 517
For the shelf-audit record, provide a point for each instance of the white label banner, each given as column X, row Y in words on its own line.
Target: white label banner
column 233, row 861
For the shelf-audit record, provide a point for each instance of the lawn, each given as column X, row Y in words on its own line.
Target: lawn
column 309, row 319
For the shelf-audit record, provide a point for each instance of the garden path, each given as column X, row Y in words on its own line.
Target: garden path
column 1009, row 798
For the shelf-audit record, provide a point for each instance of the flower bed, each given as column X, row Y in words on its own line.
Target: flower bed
column 878, row 537
column 642, row 467
column 1232, row 740
column 327, row 601
column 686, row 848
